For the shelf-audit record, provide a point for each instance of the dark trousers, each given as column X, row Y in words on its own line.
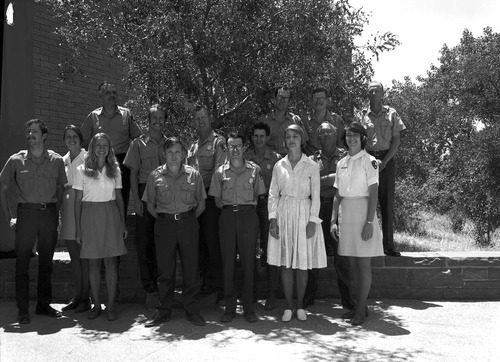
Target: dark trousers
column 172, row 236
column 272, row 272
column 125, row 181
column 145, row 245
column 210, row 253
column 238, row 232
column 386, row 199
column 41, row 226
column 341, row 263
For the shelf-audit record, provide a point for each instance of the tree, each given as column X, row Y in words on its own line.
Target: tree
column 226, row 54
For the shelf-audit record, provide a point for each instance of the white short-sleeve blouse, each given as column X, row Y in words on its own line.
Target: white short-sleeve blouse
column 355, row 174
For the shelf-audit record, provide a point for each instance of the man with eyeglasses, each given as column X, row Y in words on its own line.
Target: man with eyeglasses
column 279, row 119
column 236, row 186
column 320, row 102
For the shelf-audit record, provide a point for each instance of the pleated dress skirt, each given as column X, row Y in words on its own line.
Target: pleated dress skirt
column 352, row 218
column 101, row 230
column 293, row 249
column 67, row 228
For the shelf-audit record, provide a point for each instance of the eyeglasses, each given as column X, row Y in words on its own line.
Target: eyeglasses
column 281, row 98
column 237, row 147
column 319, row 99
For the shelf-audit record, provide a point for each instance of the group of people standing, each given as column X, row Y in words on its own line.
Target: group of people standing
column 208, row 203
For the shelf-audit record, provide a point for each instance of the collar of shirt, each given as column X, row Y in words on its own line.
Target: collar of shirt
column 210, row 138
column 356, row 156
column 147, row 138
column 166, row 171
column 328, row 117
column 102, row 113
column 67, row 157
column 250, row 156
column 303, row 158
column 227, row 166
column 385, row 109
column 28, row 154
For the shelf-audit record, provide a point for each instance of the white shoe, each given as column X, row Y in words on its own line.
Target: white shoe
column 301, row 315
column 287, row 315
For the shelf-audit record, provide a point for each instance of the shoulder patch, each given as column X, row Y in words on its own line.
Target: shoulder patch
column 375, row 164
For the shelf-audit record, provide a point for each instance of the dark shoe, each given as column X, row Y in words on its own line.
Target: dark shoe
column 82, row 307
column 48, row 311
column 352, row 313
column 73, row 304
column 347, row 305
column 227, row 317
column 250, row 317
column 111, row 315
column 94, row 313
column 271, row 304
column 23, row 317
column 157, row 320
column 392, row 252
column 358, row 320
column 197, row 320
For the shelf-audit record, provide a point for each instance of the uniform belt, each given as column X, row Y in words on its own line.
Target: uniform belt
column 378, row 154
column 235, row 208
column 41, row 206
column 176, row 217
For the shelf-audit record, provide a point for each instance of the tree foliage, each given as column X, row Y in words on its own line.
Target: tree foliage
column 445, row 152
column 225, row 54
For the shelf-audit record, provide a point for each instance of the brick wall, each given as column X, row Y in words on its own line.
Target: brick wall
column 62, row 103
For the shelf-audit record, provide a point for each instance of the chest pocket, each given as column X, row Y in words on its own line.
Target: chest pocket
column 229, row 190
column 386, row 128
column 248, row 194
column 187, row 192
column 164, row 192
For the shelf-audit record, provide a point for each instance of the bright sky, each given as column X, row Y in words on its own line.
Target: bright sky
column 423, row 27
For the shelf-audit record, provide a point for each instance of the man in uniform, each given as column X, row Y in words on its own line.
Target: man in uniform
column 320, row 102
column 236, row 186
column 279, row 120
column 144, row 155
column 175, row 196
column 327, row 156
column 39, row 176
column 383, row 126
column 206, row 154
column 117, row 122
column 265, row 159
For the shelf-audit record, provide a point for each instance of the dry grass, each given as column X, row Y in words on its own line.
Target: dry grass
column 438, row 236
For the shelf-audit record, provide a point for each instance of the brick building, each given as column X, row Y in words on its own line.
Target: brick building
column 31, row 53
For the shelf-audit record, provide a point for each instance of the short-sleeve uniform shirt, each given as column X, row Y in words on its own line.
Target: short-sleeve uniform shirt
column 207, row 156
column 100, row 189
column 174, row 194
column 355, row 174
column 237, row 188
column 381, row 128
column 145, row 155
column 36, row 182
column 266, row 165
column 121, row 127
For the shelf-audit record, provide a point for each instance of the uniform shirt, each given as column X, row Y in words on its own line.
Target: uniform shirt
column 266, row 165
column 121, row 127
column 207, row 156
column 36, row 183
column 302, row 181
column 144, row 155
column 312, row 124
column 355, row 174
column 174, row 194
column 237, row 188
column 380, row 128
column 327, row 166
column 101, row 189
column 276, row 141
column 70, row 166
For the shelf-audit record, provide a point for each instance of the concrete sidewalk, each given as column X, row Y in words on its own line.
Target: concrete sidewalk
column 396, row 330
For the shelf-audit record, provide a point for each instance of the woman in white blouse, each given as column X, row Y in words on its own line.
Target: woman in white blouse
column 356, row 226
column 296, row 241
column 73, row 140
column 100, row 224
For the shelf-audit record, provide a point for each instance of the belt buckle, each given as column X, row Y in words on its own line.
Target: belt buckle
column 43, row 206
column 235, row 208
column 177, row 217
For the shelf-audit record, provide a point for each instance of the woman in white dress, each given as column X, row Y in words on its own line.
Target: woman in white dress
column 356, row 226
column 73, row 139
column 296, row 241
column 100, row 224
